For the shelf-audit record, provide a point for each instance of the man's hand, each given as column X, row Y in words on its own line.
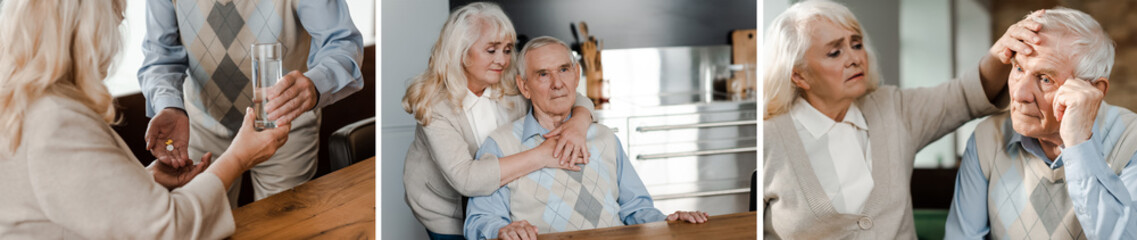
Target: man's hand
column 169, row 125
column 1076, row 106
column 292, row 95
column 171, row 177
column 691, row 217
column 520, row 230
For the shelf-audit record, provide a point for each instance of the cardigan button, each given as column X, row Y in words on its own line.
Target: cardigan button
column 865, row 223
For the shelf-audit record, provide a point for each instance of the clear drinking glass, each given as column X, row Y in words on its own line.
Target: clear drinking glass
column 267, row 59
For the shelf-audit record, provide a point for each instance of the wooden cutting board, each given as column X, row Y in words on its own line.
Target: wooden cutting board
column 744, row 50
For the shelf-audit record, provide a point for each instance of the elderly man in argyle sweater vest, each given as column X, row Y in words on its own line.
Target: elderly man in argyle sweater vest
column 1059, row 164
column 604, row 192
column 197, row 70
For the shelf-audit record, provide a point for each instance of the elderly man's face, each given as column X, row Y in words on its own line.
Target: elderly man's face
column 1035, row 79
column 551, row 79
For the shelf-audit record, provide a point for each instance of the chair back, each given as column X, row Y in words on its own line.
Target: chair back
column 352, row 143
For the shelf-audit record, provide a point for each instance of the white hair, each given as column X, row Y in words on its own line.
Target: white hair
column 788, row 38
column 1092, row 50
column 536, row 43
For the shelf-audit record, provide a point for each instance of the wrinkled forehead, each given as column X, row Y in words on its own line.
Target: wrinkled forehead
column 547, row 57
column 1053, row 56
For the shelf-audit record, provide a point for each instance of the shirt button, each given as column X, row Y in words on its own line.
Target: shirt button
column 865, row 223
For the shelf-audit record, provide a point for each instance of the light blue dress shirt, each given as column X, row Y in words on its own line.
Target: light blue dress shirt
column 1103, row 201
column 331, row 65
column 486, row 214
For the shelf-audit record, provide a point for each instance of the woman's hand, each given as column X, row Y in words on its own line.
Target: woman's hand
column 691, row 217
column 1018, row 39
column 252, row 147
column 572, row 147
column 249, row 148
column 519, row 230
column 544, row 153
column 174, row 177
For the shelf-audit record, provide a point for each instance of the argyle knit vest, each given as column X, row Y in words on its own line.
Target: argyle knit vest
column 556, row 200
column 217, row 35
column 1026, row 199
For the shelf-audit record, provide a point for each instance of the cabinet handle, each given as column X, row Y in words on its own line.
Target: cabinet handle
column 696, row 125
column 701, row 194
column 696, row 153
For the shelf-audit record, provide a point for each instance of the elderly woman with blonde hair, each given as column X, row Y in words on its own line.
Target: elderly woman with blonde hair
column 464, row 94
column 838, row 149
column 65, row 172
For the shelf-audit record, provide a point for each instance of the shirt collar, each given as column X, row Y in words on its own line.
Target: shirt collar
column 531, row 128
column 470, row 100
column 1032, row 146
column 818, row 123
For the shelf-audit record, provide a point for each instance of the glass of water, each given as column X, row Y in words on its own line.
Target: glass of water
column 267, row 59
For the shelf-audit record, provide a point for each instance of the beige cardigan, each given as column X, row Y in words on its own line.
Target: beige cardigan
column 73, row 177
column 900, row 122
column 440, row 166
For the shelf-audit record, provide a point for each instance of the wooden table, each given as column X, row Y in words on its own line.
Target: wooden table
column 729, row 226
column 340, row 205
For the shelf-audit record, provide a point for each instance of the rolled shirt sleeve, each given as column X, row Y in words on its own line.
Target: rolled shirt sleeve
column 636, row 205
column 336, row 51
column 967, row 218
column 1102, row 200
column 165, row 59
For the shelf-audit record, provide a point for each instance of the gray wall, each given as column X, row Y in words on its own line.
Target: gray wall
column 408, row 31
column 632, row 23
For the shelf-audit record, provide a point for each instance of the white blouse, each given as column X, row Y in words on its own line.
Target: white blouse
column 483, row 114
column 833, row 145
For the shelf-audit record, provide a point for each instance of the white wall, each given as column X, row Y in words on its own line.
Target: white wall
column 972, row 40
column 409, row 28
column 926, row 60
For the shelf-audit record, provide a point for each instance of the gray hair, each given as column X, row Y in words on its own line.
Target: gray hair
column 1092, row 51
column 536, row 43
column 788, row 38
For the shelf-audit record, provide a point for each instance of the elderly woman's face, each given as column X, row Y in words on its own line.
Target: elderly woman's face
column 487, row 59
column 835, row 63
